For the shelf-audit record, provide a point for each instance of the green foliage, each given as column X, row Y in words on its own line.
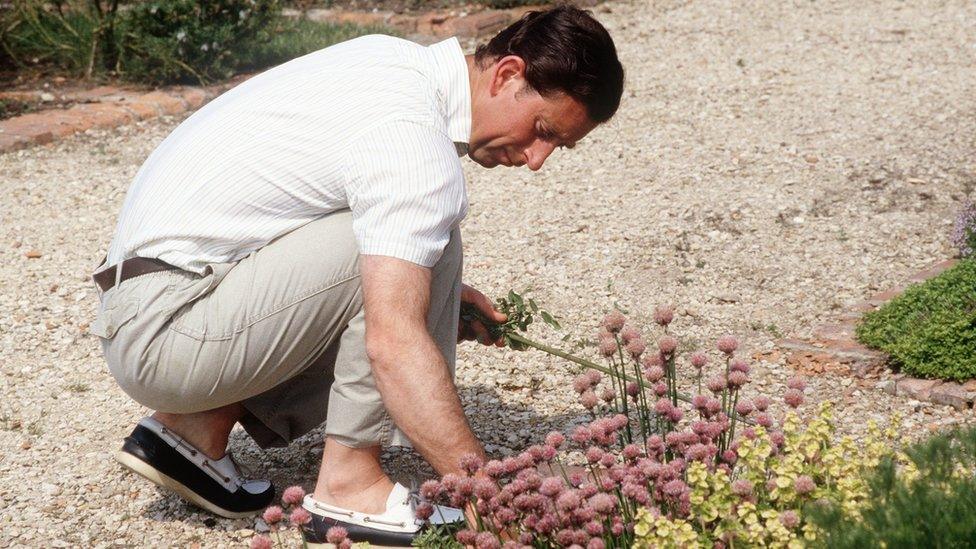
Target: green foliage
column 69, row 36
column 521, row 313
column 929, row 330
column 930, row 502
column 289, row 39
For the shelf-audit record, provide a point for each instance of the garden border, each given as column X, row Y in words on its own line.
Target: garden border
column 110, row 106
column 834, row 348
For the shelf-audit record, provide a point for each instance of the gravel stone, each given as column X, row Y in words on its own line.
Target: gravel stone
column 770, row 162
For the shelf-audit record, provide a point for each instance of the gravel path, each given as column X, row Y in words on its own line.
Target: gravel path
column 770, row 162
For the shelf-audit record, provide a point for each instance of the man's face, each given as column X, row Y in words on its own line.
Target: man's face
column 518, row 127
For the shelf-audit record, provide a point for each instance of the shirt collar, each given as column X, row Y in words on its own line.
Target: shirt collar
column 454, row 89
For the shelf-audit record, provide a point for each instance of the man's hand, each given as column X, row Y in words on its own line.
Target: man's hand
column 475, row 330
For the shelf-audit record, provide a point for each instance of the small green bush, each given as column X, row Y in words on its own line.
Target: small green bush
column 928, row 502
column 929, row 330
column 293, row 38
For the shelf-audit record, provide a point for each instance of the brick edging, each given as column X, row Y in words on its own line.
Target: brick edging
column 834, row 348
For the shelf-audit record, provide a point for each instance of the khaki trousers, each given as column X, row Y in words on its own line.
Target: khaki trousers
column 282, row 331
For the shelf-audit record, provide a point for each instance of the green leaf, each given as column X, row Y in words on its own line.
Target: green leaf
column 533, row 306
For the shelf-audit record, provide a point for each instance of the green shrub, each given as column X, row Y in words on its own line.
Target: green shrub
column 68, row 36
column 928, row 502
column 293, row 38
column 929, row 330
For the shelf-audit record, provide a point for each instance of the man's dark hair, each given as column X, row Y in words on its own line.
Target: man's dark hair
column 565, row 50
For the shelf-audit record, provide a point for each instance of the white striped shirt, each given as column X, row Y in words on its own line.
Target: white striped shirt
column 375, row 124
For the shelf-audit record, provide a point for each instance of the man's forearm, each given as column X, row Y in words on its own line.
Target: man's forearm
column 418, row 392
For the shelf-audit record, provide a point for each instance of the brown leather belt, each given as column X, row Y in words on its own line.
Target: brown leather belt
column 131, row 268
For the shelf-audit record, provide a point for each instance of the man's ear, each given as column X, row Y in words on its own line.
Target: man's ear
column 507, row 71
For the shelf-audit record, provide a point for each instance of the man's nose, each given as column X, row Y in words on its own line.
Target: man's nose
column 536, row 155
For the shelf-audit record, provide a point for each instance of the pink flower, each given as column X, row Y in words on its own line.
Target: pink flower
column 548, row 453
column 636, row 347
column 614, row 322
column 608, row 460
column 789, row 519
column 593, row 528
column 797, row 382
column 631, row 451
column 717, row 384
column 675, row 414
column 582, row 434
column 594, row 454
column 555, row 439
column 660, row 388
column 742, row 488
column 699, row 402
column 551, row 486
column 633, row 389
column 651, row 360
column 662, row 406
column 675, row 488
column 589, row 400
column 596, row 543
column 667, row 345
column 777, row 438
column 664, row 314
column 793, row 398
column 493, row 469
column 299, row 516
column 743, row 408
column 804, row 485
column 273, row 515
column 293, row 495
column 764, row 420
column 603, row 503
column 761, row 403
column 594, row 377
column 336, row 535
column 465, row 537
column 654, row 374
column 470, row 463
column 739, row 365
column 727, row 344
column 424, row 510
column 485, row 488
column 568, row 500
column 486, row 540
column 699, row 360
column 608, row 347
column 628, row 334
column 261, row 542
column 607, row 395
column 730, row 456
column 582, row 383
column 737, row 379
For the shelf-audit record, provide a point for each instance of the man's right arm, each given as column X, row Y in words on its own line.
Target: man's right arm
column 410, row 371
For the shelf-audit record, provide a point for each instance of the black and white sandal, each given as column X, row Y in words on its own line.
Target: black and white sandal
column 169, row 461
column 398, row 526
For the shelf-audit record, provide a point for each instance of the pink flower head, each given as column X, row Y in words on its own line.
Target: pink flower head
column 582, row 383
column 299, row 516
column 655, row 445
column 675, row 488
column 667, row 345
column 764, row 420
column 273, row 515
column 608, row 460
column 717, row 384
column 628, row 334
column 797, row 382
column 650, row 360
column 293, row 495
column 617, row 528
column 336, row 535
column 654, row 374
column 664, row 314
column 662, row 406
column 493, row 469
column 431, row 489
column 614, row 322
column 486, row 540
column 596, row 543
column 424, row 510
column 551, row 487
column 582, row 434
column 608, row 395
column 699, row 402
column 739, row 365
column 470, row 463
column 465, row 537
column 465, row 487
column 636, row 347
column 761, row 403
column 777, row 438
column 593, row 528
column 568, row 500
column 261, row 542
column 743, row 408
column 603, row 503
column 548, row 453
column 789, row 519
column 594, row 377
column 594, row 454
column 699, row 360
column 699, row 452
column 589, row 400
column 608, row 347
column 675, row 414
column 793, row 398
column 713, row 406
column 631, row 452
column 449, row 482
column 749, row 433
column 730, row 457
column 633, row 389
column 727, row 344
column 737, row 379
column 804, row 485
column 742, row 488
column 660, row 388
column 485, row 488
column 555, row 439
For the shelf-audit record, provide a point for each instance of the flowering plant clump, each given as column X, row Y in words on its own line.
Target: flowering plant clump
column 964, row 231
column 291, row 514
column 662, row 469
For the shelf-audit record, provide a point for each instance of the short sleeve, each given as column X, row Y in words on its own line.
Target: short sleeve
column 406, row 191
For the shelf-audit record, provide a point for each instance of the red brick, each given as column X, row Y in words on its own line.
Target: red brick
column 142, row 110
column 9, row 142
column 101, row 115
column 970, row 385
column 480, row 24
column 933, row 271
column 840, row 331
column 166, row 102
column 101, row 93
column 952, row 394
column 918, row 389
column 886, row 295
